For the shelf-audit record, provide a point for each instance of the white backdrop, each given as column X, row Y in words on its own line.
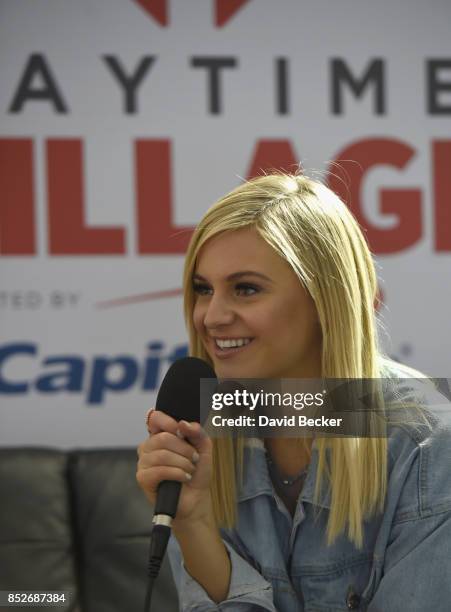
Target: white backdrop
column 70, row 146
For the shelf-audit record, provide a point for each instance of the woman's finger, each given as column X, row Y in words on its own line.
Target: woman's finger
column 164, row 457
column 148, row 413
column 170, row 442
column 195, row 434
column 159, row 421
column 150, row 478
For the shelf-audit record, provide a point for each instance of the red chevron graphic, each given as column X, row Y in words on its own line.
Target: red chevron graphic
column 158, row 9
column 224, row 10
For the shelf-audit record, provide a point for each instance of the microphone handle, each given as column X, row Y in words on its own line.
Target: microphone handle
column 168, row 497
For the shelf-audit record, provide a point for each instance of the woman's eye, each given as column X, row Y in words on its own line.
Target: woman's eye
column 201, row 289
column 241, row 289
column 246, row 289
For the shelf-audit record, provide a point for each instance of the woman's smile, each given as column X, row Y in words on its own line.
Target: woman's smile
column 226, row 348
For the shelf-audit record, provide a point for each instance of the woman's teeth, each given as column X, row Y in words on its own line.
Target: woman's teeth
column 223, row 344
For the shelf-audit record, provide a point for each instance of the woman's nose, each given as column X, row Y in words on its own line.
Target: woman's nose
column 218, row 313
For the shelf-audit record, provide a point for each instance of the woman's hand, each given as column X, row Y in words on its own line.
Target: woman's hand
column 181, row 451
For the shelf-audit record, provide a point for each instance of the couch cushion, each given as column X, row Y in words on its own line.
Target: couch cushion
column 36, row 551
column 114, row 522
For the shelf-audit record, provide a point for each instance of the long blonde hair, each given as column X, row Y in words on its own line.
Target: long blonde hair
column 313, row 230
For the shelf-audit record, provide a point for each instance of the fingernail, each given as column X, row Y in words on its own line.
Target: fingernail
column 187, row 424
column 179, row 434
column 196, row 457
column 188, row 476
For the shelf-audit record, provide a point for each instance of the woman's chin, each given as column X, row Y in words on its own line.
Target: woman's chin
column 228, row 370
column 234, row 371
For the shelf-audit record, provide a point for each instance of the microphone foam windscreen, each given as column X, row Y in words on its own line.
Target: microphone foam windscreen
column 179, row 394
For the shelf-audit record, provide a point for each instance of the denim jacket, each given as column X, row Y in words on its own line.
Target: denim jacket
column 282, row 563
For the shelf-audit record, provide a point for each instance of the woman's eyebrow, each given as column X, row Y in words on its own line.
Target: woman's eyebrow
column 237, row 275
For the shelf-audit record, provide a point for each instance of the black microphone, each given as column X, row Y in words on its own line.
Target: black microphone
column 179, row 397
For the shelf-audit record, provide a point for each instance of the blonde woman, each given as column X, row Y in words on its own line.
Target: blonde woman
column 279, row 283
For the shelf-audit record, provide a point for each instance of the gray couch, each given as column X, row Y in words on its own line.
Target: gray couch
column 77, row 521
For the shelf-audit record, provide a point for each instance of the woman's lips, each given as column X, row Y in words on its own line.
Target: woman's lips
column 227, row 353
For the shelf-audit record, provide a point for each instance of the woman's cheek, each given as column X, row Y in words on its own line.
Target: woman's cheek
column 198, row 319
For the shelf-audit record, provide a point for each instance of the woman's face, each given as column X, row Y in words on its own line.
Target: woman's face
column 252, row 314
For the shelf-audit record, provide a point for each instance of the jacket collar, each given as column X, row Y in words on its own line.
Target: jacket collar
column 256, row 479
